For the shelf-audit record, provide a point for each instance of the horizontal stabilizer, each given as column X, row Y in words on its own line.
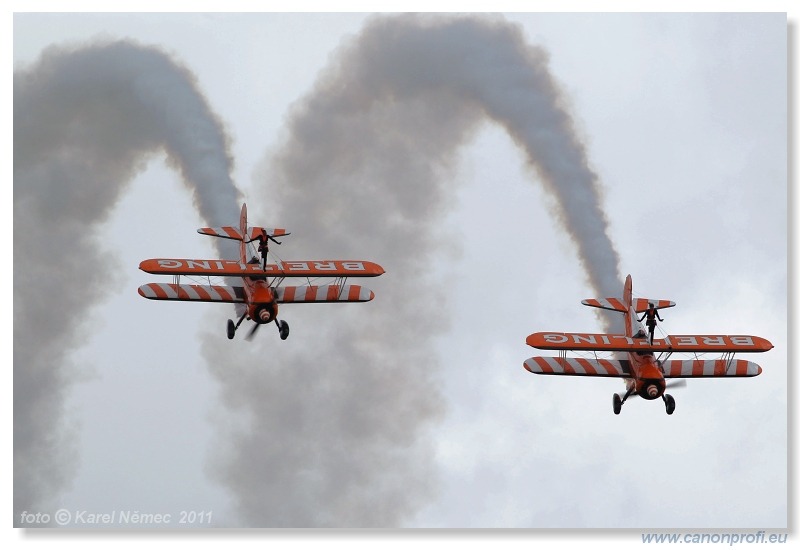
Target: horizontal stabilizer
column 698, row 368
column 616, row 304
column 230, row 232
column 232, row 268
column 619, row 342
column 578, row 366
column 192, row 293
column 324, row 293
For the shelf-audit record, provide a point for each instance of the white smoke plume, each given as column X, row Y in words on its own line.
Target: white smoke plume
column 334, row 425
column 86, row 120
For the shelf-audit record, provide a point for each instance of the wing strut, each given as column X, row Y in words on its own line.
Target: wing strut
column 728, row 358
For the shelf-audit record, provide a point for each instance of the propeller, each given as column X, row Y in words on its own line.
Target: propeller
column 252, row 331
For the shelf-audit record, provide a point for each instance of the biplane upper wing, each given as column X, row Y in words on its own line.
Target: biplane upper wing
column 230, row 232
column 233, row 268
column 620, row 342
column 709, row 368
column 615, row 304
column 576, row 366
column 236, row 294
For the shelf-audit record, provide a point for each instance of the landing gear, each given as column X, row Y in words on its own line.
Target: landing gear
column 232, row 328
column 283, row 329
column 669, row 402
column 618, row 401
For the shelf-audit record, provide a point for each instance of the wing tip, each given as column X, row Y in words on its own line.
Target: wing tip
column 527, row 366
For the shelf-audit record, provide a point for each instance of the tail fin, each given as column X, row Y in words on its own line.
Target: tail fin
column 627, row 291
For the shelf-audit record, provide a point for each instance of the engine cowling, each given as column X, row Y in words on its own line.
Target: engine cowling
column 263, row 313
column 652, row 389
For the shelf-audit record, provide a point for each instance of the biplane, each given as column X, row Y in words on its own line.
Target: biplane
column 648, row 369
column 261, row 290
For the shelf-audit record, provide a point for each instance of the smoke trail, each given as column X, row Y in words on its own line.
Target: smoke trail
column 86, row 120
column 335, row 428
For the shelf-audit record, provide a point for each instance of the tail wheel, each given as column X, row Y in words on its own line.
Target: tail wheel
column 231, row 329
column 617, row 403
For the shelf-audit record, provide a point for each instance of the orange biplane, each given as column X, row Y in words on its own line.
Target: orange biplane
column 645, row 374
column 261, row 291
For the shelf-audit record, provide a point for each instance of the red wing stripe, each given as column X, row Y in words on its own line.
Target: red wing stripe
column 231, row 232
column 169, row 291
column 605, row 303
column 191, row 292
column 153, row 290
column 582, row 366
column 640, row 305
column 545, row 365
column 227, row 232
column 271, row 231
column 206, row 293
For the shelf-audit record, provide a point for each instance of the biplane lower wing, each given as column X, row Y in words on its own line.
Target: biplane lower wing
column 193, row 293
column 235, row 294
column 620, row 342
column 710, row 368
column 233, row 268
column 675, row 368
column 323, row 294
column 576, row 366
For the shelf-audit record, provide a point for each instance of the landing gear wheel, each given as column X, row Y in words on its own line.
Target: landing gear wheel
column 669, row 401
column 617, row 403
column 231, row 329
column 283, row 329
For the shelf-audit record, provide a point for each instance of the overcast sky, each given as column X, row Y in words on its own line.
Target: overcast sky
column 684, row 120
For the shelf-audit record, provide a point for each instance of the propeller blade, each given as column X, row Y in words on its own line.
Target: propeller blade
column 679, row 383
column 252, row 332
